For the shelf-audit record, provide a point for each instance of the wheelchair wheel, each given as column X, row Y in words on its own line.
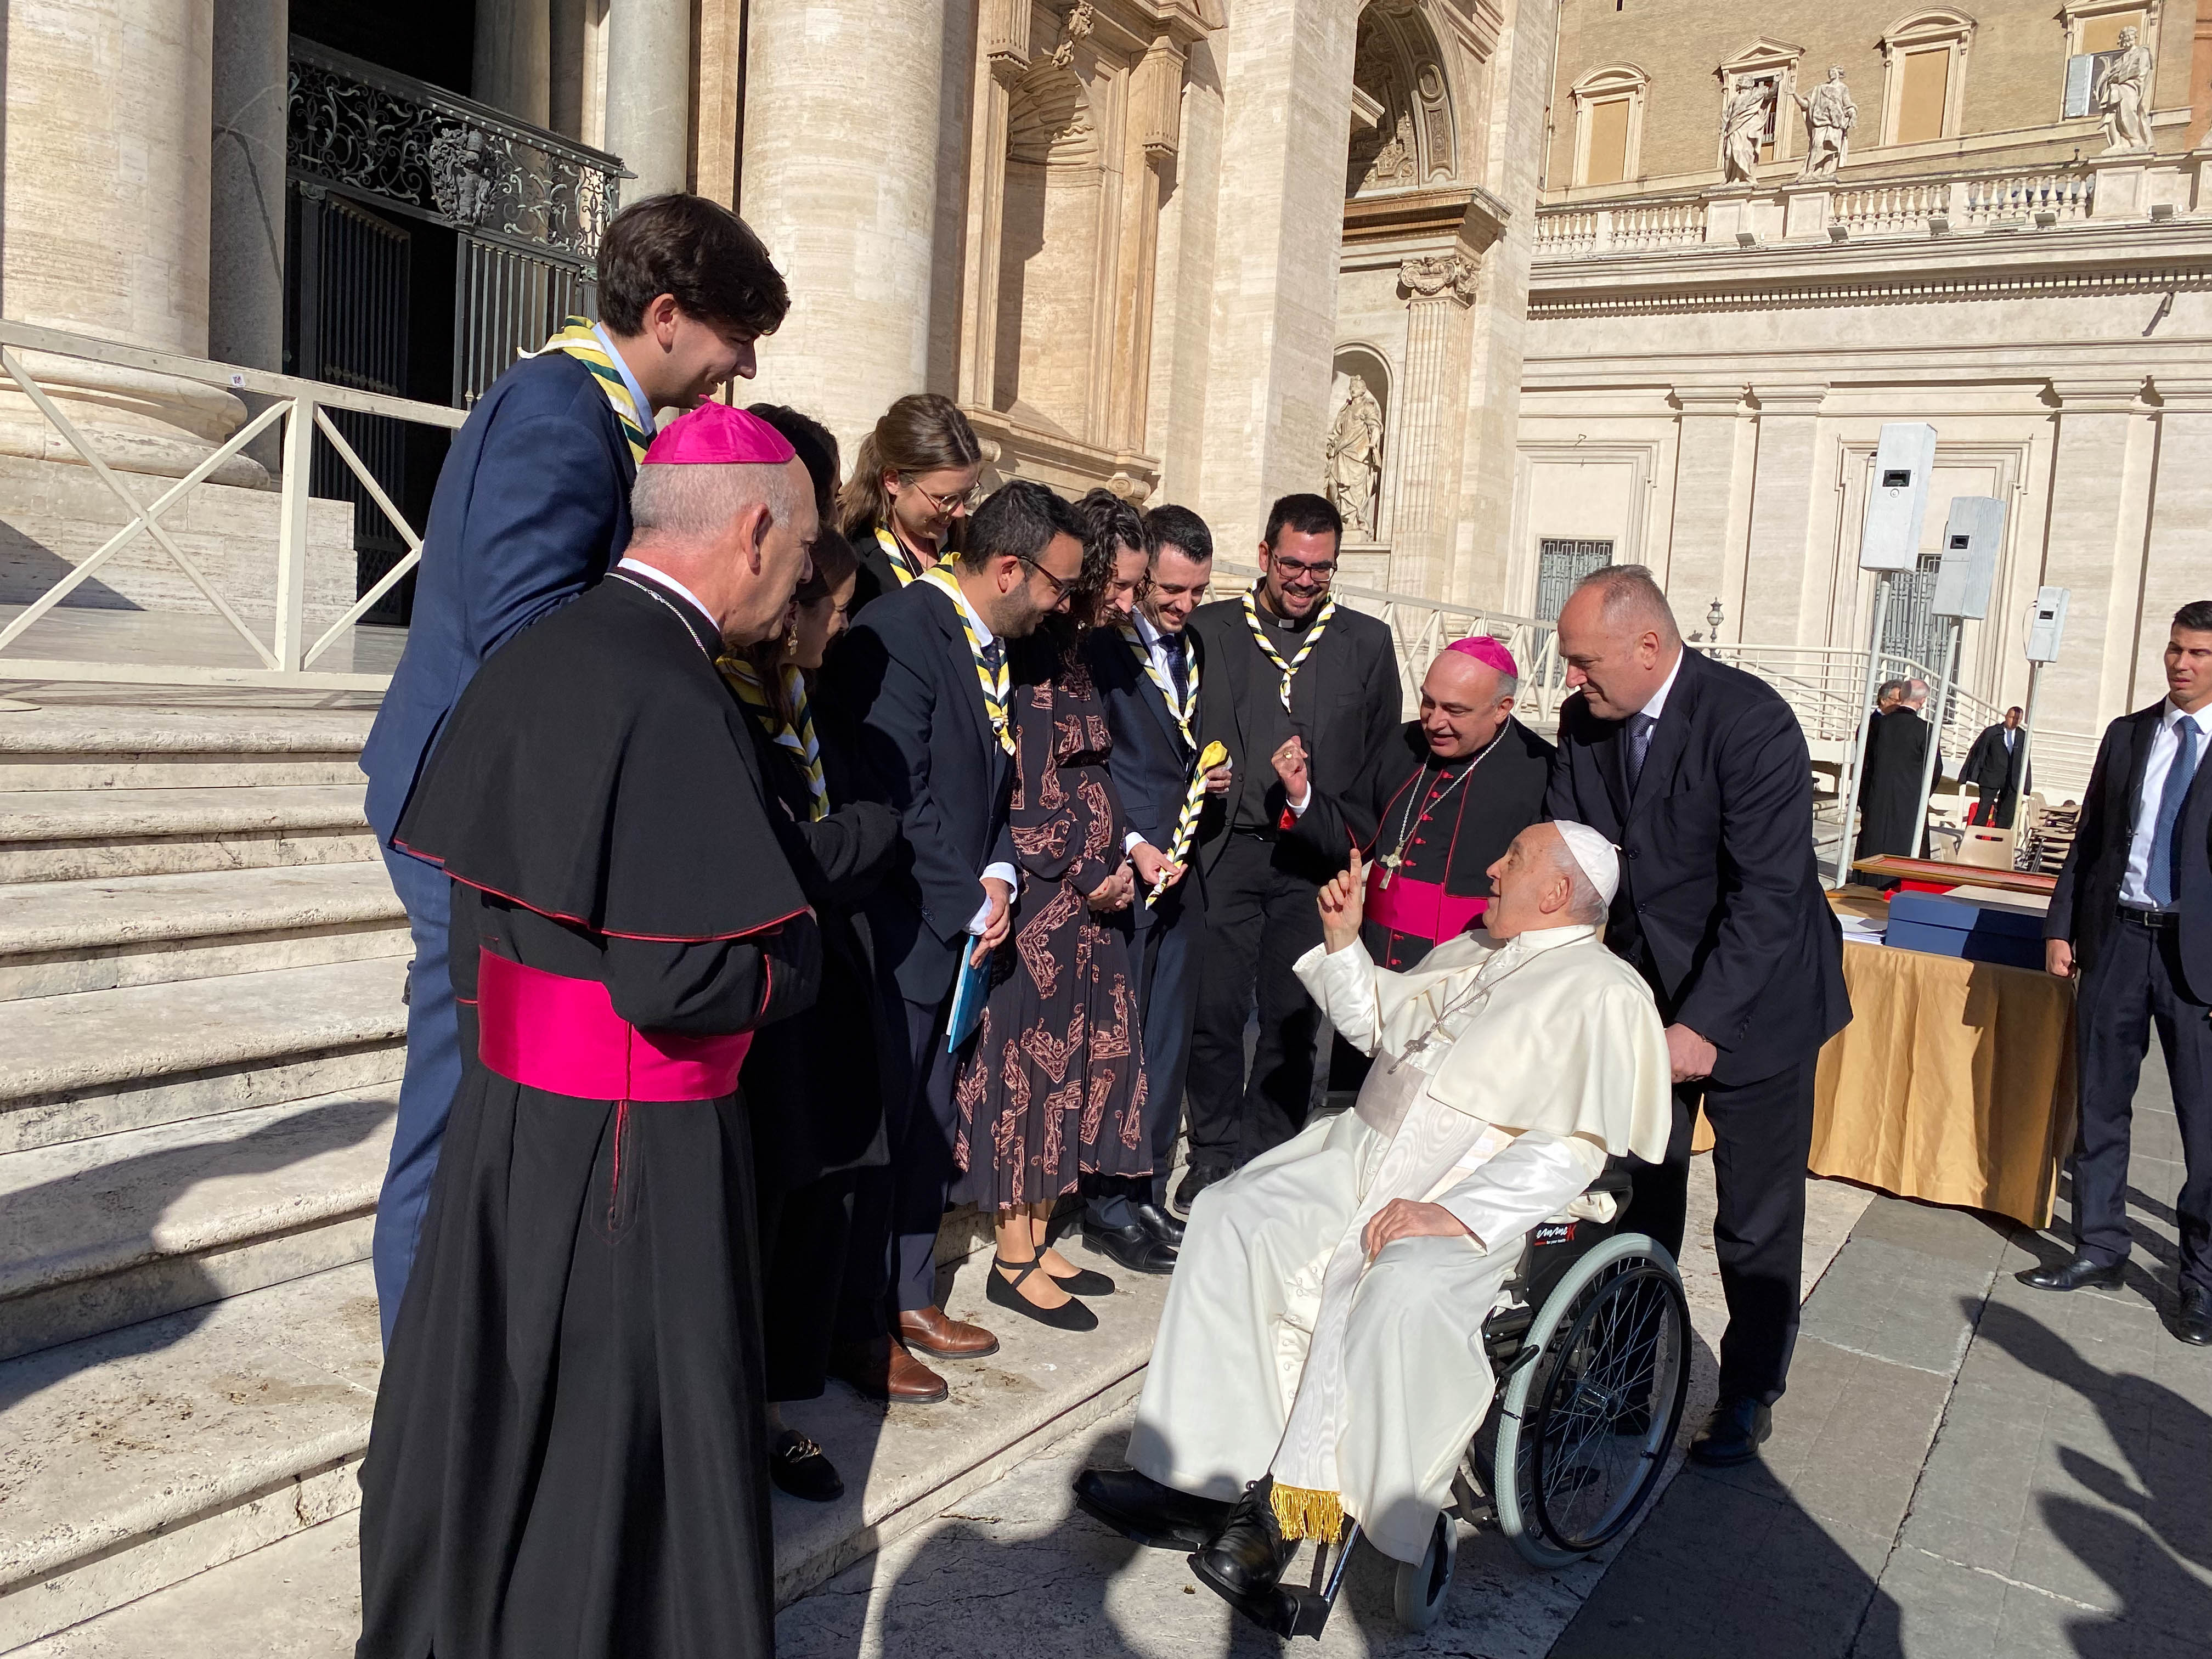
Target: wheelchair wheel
column 1422, row 1585
column 1584, row 1429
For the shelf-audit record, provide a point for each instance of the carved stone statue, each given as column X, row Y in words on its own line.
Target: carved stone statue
column 1743, row 128
column 1830, row 115
column 1355, row 460
column 2121, row 95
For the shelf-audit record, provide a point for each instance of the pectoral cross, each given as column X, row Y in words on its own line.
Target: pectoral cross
column 1390, row 863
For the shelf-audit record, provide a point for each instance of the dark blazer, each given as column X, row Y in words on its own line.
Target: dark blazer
column 532, row 507
column 1345, row 699
column 1720, row 905
column 2088, row 890
column 1990, row 769
column 1151, row 764
column 903, row 684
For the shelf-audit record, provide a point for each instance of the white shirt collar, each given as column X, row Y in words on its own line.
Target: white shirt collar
column 1657, row 706
column 644, row 418
column 653, row 572
column 2172, row 717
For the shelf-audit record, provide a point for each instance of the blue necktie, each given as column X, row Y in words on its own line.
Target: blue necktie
column 2161, row 880
column 1178, row 666
column 1639, row 738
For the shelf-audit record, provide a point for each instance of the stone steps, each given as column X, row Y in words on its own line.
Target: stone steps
column 79, row 747
column 98, row 1233
column 100, row 1062
column 76, row 834
column 129, row 1461
column 101, row 932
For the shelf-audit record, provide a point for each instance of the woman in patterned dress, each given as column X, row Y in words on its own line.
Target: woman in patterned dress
column 1051, row 1087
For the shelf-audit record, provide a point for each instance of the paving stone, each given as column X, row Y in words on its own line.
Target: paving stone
column 1896, row 1303
column 1940, row 1608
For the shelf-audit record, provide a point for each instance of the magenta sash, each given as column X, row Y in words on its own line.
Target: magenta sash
column 547, row 1032
column 1422, row 908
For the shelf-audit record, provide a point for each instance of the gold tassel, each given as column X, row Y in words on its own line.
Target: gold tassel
column 1301, row 1513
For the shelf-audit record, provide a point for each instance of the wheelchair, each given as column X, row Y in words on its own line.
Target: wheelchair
column 1589, row 1353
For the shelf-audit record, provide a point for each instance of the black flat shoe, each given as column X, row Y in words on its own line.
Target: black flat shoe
column 2192, row 1317
column 797, row 1465
column 1069, row 1316
column 1246, row 1558
column 1146, row 1512
column 1732, row 1435
column 1082, row 1282
column 1195, row 1181
column 2079, row 1274
column 1130, row 1246
column 1159, row 1224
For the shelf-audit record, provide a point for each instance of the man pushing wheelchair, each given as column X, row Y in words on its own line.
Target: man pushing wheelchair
column 1322, row 1363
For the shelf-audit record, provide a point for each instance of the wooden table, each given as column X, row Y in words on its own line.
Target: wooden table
column 1935, row 876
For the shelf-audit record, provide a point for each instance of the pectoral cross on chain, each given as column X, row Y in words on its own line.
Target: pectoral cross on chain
column 1390, row 863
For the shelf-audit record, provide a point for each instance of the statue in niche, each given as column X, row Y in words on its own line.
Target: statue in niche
column 1830, row 115
column 1355, row 460
column 2122, row 91
column 1743, row 128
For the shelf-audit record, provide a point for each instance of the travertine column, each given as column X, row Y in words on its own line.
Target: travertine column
column 850, row 222
column 649, row 92
column 246, row 240
column 1287, row 67
column 1439, row 290
column 1695, row 567
column 2177, row 563
column 1773, row 608
column 513, row 67
column 104, row 223
column 1002, row 59
column 1182, row 316
column 2100, row 495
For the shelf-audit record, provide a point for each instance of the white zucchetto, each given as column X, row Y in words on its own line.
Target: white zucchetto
column 1599, row 857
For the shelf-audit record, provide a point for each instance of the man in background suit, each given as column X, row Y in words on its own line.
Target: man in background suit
column 1149, row 671
column 1297, row 685
column 909, row 682
column 1700, row 774
column 1889, row 784
column 532, row 507
column 2131, row 917
column 1997, row 766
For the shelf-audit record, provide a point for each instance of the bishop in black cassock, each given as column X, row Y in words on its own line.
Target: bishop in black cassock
column 568, row 1458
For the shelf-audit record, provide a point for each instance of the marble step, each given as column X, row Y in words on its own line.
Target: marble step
column 134, row 747
column 99, row 1234
column 75, row 835
column 97, row 933
column 132, row 1460
column 100, row 1062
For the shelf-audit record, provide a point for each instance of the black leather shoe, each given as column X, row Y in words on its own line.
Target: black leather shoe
column 1144, row 1511
column 798, row 1465
column 1159, row 1224
column 2079, row 1274
column 1246, row 1558
column 2192, row 1316
column 1131, row 1247
column 1195, row 1181
column 1732, row 1435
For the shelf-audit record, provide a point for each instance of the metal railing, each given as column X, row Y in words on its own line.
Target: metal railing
column 303, row 407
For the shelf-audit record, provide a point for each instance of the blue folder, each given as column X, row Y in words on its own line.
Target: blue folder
column 968, row 1000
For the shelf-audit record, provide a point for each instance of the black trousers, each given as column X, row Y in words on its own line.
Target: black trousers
column 2136, row 984
column 1762, row 1136
column 892, row 1264
column 1165, row 955
column 805, row 1232
column 1260, row 917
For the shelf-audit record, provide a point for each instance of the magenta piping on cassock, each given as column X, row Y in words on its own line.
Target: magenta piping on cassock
column 1422, row 908
column 605, row 933
column 547, row 1032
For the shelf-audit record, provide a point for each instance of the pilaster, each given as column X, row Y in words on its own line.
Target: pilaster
column 1781, row 513
column 1712, row 435
column 2102, row 471
column 1439, row 290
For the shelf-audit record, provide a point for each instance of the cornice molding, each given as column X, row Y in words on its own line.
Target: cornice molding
column 1789, row 294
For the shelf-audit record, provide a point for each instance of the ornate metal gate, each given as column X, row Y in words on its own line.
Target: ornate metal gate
column 1561, row 563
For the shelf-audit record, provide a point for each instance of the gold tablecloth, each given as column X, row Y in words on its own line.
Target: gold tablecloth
column 1953, row 1083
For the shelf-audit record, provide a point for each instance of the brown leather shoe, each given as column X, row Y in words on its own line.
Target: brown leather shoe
column 937, row 1333
column 883, row 1370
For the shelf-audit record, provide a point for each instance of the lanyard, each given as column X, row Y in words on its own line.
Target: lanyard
column 798, row 737
column 581, row 341
column 1185, row 710
column 901, row 565
column 994, row 685
column 1313, row 638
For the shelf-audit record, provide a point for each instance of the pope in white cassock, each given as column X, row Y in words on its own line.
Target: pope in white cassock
column 1321, row 1352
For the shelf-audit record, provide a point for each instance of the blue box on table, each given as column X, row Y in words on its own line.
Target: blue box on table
column 1980, row 932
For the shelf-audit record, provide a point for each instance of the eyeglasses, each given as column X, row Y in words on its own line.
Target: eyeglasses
column 1290, row 570
column 948, row 505
column 1059, row 589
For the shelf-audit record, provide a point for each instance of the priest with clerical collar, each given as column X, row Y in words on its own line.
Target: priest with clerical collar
column 1318, row 1357
column 570, row 1457
column 1436, row 806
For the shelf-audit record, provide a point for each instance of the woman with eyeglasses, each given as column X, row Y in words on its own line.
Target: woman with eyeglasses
column 913, row 482
column 1053, row 1087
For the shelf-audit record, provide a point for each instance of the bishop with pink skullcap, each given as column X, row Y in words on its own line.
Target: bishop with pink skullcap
column 1435, row 807
column 718, row 434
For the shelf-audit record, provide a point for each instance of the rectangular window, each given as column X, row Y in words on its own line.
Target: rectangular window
column 1561, row 563
column 1920, row 95
column 1608, row 142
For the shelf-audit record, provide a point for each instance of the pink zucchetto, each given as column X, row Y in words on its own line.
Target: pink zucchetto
column 1480, row 647
column 717, row 435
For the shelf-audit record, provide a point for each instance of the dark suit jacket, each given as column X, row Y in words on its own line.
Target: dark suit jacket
column 1151, row 764
column 532, row 507
column 1720, row 905
column 2088, row 890
column 903, row 684
column 1990, row 769
column 1345, row 699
